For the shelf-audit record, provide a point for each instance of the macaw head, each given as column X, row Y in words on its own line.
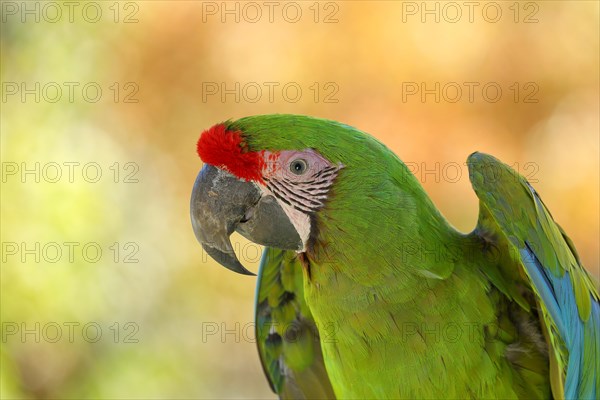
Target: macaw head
column 279, row 180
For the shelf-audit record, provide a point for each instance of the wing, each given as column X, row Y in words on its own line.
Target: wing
column 287, row 337
column 545, row 259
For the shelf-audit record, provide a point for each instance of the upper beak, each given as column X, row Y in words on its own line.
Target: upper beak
column 221, row 204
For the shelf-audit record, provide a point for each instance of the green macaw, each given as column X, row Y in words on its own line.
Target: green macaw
column 366, row 291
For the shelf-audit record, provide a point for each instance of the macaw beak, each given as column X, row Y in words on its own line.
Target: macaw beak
column 222, row 204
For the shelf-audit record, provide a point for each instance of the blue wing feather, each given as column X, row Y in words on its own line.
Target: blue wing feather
column 566, row 293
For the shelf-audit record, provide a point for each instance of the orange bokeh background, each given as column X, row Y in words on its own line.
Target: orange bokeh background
column 401, row 71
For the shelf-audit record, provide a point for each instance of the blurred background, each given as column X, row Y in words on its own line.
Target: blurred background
column 105, row 292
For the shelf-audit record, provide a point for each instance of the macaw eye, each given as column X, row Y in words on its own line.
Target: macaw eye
column 299, row 166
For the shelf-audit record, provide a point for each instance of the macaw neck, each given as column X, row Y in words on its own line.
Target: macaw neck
column 386, row 237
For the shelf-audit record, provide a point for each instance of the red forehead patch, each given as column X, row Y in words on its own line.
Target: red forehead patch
column 226, row 149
